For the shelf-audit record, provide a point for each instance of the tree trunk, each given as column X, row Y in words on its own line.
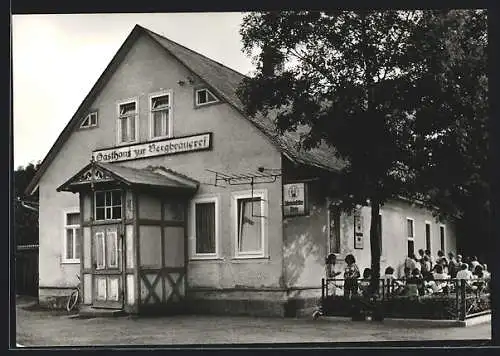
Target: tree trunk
column 375, row 245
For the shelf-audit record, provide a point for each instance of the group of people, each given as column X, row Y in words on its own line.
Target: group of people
column 420, row 275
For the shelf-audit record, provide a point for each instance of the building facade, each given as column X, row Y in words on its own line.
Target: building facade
column 161, row 194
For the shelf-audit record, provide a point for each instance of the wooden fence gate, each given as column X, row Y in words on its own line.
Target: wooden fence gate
column 26, row 265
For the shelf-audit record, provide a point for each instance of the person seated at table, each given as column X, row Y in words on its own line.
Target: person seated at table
column 486, row 273
column 464, row 272
column 413, row 283
column 430, row 284
column 387, row 279
column 440, row 276
column 364, row 284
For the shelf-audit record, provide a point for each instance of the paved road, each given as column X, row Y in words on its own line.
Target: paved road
column 41, row 328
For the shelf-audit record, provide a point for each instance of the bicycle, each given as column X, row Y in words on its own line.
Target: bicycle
column 74, row 297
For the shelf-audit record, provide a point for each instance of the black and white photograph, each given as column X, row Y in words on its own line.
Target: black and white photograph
column 193, row 179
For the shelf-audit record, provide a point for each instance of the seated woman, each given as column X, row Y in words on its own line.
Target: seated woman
column 440, row 277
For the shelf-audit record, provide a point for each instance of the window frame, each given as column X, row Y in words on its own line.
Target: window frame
column 119, row 141
column 410, row 238
column 442, row 238
column 110, row 206
column 197, row 104
column 64, row 259
column 192, row 236
column 427, row 222
column 248, row 194
column 169, row 125
column 88, row 116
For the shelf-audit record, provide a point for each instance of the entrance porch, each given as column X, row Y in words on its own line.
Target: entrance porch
column 133, row 237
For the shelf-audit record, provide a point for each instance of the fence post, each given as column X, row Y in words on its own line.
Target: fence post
column 322, row 289
column 457, row 290
column 463, row 297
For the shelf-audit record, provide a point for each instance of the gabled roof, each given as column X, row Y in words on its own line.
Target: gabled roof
column 221, row 79
column 154, row 177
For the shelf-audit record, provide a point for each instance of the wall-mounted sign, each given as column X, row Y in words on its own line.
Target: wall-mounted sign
column 358, row 230
column 155, row 148
column 294, row 199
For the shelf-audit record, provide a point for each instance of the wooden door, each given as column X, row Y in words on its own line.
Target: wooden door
column 107, row 267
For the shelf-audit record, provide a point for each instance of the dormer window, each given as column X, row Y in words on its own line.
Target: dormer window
column 204, row 97
column 89, row 121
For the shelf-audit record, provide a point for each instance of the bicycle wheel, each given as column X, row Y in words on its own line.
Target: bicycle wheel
column 72, row 300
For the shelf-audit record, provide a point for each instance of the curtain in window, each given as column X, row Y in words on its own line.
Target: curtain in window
column 249, row 225
column 205, row 228
column 160, row 123
column 69, row 244
column 77, row 242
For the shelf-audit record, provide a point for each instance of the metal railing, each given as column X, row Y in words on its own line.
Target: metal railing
column 457, row 298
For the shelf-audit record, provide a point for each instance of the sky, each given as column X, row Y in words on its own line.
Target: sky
column 56, row 59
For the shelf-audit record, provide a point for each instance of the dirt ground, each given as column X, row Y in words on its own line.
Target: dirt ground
column 43, row 328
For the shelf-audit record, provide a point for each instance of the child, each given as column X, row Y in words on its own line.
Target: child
column 351, row 275
column 387, row 281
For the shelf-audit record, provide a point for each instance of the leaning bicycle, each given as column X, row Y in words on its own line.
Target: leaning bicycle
column 74, row 297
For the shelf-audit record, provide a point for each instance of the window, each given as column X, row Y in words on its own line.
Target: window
column 410, row 223
column 334, row 228
column 428, row 236
column 442, row 237
column 204, row 97
column 160, row 121
column 204, row 227
column 100, row 250
column 250, row 213
column 72, row 237
column 108, row 205
column 89, row 121
column 127, row 125
column 379, row 222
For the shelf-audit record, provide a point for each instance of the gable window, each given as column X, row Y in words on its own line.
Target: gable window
column 127, row 122
column 410, row 233
column 160, row 118
column 71, row 237
column 89, row 121
column 204, row 217
column 250, row 225
column 204, row 97
column 108, row 205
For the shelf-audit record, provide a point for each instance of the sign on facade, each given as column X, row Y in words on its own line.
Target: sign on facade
column 294, row 199
column 155, row 148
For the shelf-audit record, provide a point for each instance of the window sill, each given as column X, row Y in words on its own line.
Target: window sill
column 70, row 262
column 106, row 222
column 247, row 258
column 206, row 258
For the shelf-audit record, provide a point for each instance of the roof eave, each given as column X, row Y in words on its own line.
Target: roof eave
column 68, row 129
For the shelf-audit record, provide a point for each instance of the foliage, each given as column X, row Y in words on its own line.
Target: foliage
column 399, row 94
column 25, row 220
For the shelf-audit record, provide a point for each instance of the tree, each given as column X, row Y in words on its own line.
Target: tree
column 26, row 220
column 451, row 111
column 354, row 80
